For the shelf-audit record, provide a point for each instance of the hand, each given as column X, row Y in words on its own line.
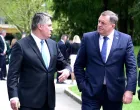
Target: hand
column 127, row 97
column 138, row 94
column 64, row 75
column 15, row 104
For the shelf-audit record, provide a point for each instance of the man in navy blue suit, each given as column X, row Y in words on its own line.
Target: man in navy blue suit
column 99, row 67
column 63, row 48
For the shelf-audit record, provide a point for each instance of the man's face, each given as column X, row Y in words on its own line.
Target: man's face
column 104, row 25
column 46, row 29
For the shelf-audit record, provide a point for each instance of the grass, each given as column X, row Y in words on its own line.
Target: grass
column 135, row 105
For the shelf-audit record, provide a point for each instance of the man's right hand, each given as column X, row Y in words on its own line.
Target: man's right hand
column 15, row 104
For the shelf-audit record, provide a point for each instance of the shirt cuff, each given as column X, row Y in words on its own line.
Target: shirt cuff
column 15, row 98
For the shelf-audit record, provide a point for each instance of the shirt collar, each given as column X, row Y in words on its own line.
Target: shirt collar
column 63, row 41
column 37, row 40
column 110, row 36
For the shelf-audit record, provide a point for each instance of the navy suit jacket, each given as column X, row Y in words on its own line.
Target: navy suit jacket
column 28, row 78
column 90, row 69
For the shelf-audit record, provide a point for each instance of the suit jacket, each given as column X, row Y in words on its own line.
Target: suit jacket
column 28, row 79
column 1, row 45
column 62, row 48
column 90, row 69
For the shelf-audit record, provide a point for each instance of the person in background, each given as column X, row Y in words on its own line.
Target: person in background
column 99, row 67
column 33, row 63
column 75, row 45
column 68, row 50
column 138, row 62
column 62, row 47
column 14, row 40
column 3, row 49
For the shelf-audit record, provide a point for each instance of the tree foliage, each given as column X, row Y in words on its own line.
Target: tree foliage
column 79, row 16
column 20, row 12
column 76, row 16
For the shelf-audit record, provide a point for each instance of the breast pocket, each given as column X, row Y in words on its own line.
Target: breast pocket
column 118, row 53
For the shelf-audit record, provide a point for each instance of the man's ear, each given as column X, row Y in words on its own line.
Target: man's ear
column 113, row 25
column 39, row 26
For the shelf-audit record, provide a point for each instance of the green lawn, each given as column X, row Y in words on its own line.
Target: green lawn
column 135, row 105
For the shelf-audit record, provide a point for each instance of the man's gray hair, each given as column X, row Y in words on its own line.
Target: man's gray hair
column 40, row 18
column 113, row 16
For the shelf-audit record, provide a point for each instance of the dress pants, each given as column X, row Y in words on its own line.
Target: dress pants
column 26, row 108
column 45, row 107
column 95, row 102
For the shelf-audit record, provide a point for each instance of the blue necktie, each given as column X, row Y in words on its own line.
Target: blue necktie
column 104, row 49
column 44, row 52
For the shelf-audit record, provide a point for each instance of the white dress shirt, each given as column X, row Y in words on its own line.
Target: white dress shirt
column 38, row 42
column 109, row 43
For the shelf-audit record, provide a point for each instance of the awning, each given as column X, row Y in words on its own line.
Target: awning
column 9, row 28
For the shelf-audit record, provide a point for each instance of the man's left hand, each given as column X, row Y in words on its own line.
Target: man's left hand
column 127, row 97
column 64, row 75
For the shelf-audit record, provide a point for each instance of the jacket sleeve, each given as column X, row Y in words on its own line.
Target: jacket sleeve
column 61, row 62
column 80, row 65
column 14, row 69
column 131, row 68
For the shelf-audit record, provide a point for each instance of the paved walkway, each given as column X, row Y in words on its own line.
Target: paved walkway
column 63, row 102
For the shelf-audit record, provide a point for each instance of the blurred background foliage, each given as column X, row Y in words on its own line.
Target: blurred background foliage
column 73, row 16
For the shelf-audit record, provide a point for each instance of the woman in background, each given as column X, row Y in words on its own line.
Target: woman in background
column 75, row 45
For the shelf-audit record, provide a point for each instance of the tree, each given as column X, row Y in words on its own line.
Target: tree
column 20, row 12
column 76, row 16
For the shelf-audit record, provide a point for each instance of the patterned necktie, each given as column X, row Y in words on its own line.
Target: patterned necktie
column 104, row 49
column 44, row 52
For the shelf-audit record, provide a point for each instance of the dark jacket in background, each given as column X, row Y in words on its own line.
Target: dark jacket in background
column 74, row 48
column 62, row 48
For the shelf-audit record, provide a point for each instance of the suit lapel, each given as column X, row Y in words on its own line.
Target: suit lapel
column 96, row 42
column 35, row 48
column 114, row 44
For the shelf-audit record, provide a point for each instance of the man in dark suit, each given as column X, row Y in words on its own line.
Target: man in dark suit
column 3, row 49
column 63, row 48
column 99, row 67
column 138, row 61
column 34, row 60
